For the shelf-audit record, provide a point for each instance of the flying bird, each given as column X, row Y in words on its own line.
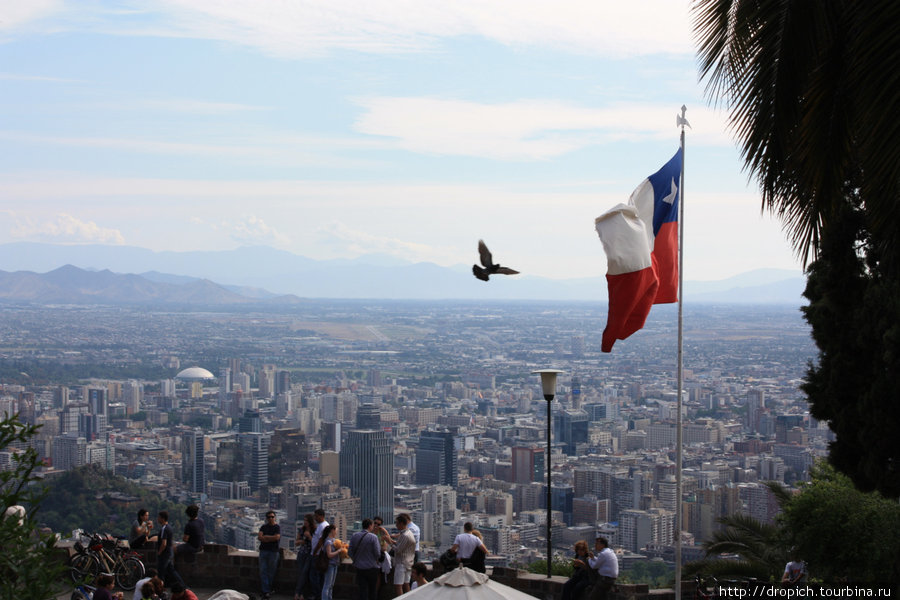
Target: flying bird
column 489, row 267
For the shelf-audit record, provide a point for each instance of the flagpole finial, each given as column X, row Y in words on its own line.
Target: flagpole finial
column 680, row 121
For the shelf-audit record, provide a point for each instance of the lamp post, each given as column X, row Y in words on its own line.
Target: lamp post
column 548, row 385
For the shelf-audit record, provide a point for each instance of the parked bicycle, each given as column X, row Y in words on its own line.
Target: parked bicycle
column 106, row 554
column 707, row 588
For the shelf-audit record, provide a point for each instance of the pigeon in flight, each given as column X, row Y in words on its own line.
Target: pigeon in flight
column 489, row 267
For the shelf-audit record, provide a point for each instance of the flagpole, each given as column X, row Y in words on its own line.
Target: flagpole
column 679, row 368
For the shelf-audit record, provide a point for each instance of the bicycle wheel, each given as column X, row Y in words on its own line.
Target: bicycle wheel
column 82, row 566
column 129, row 572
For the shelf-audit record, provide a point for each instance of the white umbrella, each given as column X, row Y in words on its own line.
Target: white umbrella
column 464, row 583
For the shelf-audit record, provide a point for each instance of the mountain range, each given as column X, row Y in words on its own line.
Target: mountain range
column 48, row 273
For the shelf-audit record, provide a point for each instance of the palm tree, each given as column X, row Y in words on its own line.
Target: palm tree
column 814, row 92
column 746, row 548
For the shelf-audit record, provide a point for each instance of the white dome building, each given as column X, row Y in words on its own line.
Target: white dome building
column 194, row 374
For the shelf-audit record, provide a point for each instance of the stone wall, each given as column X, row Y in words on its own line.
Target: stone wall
column 221, row 567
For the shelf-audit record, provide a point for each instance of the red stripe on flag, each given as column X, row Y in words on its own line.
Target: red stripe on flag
column 630, row 297
column 665, row 261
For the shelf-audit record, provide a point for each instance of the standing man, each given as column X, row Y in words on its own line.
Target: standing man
column 164, row 551
column 269, row 535
column 366, row 553
column 193, row 537
column 404, row 551
column 315, row 577
column 140, row 530
column 607, row 566
column 417, row 534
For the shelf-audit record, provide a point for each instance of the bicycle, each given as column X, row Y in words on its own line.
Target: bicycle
column 105, row 554
column 81, row 564
column 83, row 592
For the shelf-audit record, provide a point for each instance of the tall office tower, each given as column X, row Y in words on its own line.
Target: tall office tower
column 282, row 382
column 330, row 464
column 368, row 417
column 373, row 378
column 90, row 426
column 288, row 452
column 229, row 461
column 570, row 429
column 193, row 467
column 60, row 397
column 367, row 468
column 241, row 380
column 331, row 436
column 667, row 492
column 575, row 392
column 68, row 417
column 267, row 381
column 562, row 497
column 527, row 464
column 224, row 383
column 69, row 451
column 235, row 365
column 250, row 422
column 134, row 396
column 255, row 448
column 756, row 403
column 97, row 399
column 436, row 461
column 284, row 405
column 578, row 346
column 167, row 388
column 637, row 528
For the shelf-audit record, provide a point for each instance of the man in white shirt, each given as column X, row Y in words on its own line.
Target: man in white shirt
column 417, row 533
column 466, row 543
column 148, row 575
column 607, row 566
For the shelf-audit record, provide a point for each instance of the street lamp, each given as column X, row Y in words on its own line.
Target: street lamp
column 548, row 385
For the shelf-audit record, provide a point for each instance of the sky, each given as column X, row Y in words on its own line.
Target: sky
column 340, row 128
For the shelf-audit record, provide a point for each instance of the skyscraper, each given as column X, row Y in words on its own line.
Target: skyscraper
column 367, row 468
column 255, row 449
column 436, row 461
column 193, row 469
column 570, row 429
column 288, row 452
column 282, row 382
column 368, row 417
column 527, row 464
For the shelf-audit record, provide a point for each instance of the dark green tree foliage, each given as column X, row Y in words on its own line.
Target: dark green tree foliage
column 95, row 500
column 28, row 568
column 814, row 92
column 759, row 550
column 854, row 313
column 843, row 534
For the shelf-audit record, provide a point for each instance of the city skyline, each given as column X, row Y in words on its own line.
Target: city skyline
column 388, row 129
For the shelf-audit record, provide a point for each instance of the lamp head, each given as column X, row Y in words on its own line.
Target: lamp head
column 548, row 382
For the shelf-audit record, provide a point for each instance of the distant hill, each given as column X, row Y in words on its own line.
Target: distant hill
column 262, row 274
column 71, row 285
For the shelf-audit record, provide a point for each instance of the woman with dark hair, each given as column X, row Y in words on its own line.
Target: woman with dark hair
column 581, row 574
column 303, row 546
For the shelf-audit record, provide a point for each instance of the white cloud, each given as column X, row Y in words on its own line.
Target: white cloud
column 525, row 129
column 304, row 28
column 16, row 14
column 65, row 229
column 354, row 242
column 250, row 229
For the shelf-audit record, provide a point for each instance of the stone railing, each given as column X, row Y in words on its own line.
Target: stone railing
column 221, row 567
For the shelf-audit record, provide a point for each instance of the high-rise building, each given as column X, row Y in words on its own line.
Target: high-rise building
column 367, row 468
column 60, row 397
column 134, row 396
column 331, row 436
column 68, row 416
column 224, row 383
column 69, row 451
column 368, row 417
column 288, row 452
column 527, row 464
column 255, row 446
column 282, row 382
column 250, row 422
column 570, row 429
column 229, row 461
column 436, row 460
column 98, row 400
column 167, row 388
column 193, row 467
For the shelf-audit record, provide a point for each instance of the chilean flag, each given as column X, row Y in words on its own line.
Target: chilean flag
column 641, row 244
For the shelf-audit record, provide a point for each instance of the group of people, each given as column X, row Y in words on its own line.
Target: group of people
column 374, row 552
column 596, row 571
column 142, row 536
